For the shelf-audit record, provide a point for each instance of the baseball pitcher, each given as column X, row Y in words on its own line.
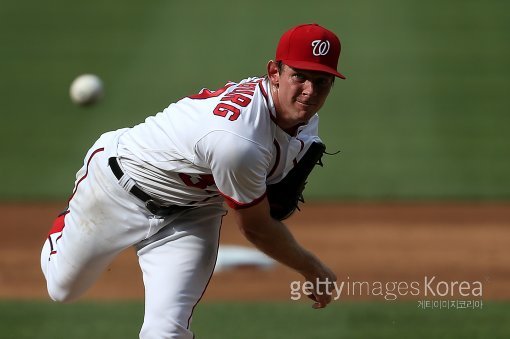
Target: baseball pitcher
column 163, row 186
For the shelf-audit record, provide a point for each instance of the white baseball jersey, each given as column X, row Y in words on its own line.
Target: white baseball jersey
column 213, row 144
column 200, row 151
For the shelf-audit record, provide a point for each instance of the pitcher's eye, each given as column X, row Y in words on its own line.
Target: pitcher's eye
column 323, row 82
column 299, row 77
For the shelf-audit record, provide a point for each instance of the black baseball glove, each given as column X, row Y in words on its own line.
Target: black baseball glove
column 285, row 195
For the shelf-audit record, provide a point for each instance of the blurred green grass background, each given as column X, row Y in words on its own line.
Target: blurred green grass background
column 349, row 320
column 423, row 114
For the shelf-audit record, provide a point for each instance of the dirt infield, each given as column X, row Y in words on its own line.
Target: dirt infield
column 361, row 242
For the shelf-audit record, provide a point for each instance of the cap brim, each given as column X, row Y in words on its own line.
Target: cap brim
column 312, row 66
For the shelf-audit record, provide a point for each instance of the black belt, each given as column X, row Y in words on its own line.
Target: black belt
column 153, row 206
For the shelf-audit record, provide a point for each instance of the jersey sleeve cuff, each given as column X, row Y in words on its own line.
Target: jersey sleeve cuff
column 236, row 205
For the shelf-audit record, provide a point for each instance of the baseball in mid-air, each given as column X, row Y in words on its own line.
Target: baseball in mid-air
column 86, row 89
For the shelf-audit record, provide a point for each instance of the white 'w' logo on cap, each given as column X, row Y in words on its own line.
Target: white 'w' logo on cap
column 320, row 47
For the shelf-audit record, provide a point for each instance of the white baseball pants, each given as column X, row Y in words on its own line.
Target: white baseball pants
column 177, row 253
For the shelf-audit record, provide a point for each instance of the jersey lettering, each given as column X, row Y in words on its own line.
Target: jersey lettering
column 237, row 99
column 223, row 109
column 241, row 96
column 201, row 182
column 207, row 93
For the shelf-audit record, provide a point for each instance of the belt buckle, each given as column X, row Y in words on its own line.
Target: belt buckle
column 153, row 206
column 162, row 210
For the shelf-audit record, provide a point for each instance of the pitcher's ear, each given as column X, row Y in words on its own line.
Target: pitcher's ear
column 273, row 73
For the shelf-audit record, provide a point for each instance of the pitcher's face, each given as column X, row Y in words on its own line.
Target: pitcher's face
column 297, row 94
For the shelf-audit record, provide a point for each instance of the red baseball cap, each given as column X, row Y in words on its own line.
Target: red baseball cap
column 310, row 47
